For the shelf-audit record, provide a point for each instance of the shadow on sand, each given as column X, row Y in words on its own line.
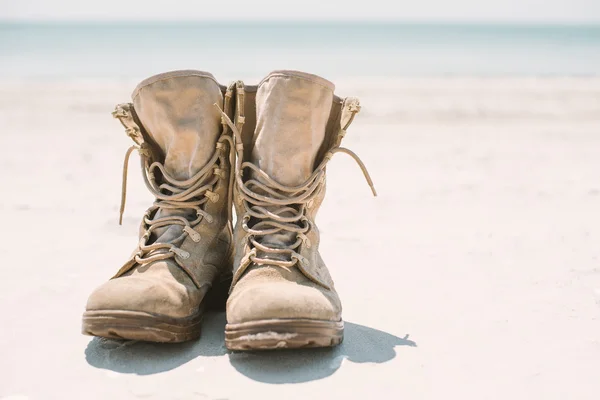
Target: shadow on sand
column 361, row 345
column 145, row 358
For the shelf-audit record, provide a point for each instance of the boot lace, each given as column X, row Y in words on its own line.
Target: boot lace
column 277, row 209
column 172, row 194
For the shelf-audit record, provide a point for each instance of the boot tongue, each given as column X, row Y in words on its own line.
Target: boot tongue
column 177, row 111
column 292, row 112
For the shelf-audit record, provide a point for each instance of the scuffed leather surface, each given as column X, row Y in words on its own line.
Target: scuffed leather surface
column 298, row 120
column 177, row 114
column 292, row 113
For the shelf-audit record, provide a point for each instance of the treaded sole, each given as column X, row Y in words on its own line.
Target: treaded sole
column 135, row 325
column 283, row 334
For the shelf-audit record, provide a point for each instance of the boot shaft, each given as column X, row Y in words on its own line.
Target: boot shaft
column 187, row 165
column 178, row 115
column 175, row 124
column 248, row 104
column 295, row 205
column 292, row 110
column 253, row 109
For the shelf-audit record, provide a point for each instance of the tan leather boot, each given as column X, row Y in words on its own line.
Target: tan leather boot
column 286, row 131
column 185, row 244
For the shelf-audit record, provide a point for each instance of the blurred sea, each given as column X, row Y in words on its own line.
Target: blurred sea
column 242, row 50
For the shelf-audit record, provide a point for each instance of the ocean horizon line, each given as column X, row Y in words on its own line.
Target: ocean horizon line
column 356, row 48
column 304, row 22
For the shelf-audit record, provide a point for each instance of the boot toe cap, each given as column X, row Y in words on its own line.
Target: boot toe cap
column 139, row 294
column 282, row 300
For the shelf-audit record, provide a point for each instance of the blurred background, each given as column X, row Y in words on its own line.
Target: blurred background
column 115, row 39
column 480, row 125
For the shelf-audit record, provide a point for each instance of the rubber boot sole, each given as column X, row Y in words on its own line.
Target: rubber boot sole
column 135, row 325
column 149, row 327
column 283, row 334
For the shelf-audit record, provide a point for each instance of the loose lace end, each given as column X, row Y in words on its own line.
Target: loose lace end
column 124, row 182
column 373, row 190
column 360, row 164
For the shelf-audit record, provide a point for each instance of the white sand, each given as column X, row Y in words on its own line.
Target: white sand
column 474, row 275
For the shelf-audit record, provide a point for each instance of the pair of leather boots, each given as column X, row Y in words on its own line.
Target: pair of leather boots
column 206, row 149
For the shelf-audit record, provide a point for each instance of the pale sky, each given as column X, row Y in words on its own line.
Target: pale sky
column 567, row 11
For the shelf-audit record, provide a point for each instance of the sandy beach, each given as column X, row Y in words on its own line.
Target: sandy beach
column 474, row 275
